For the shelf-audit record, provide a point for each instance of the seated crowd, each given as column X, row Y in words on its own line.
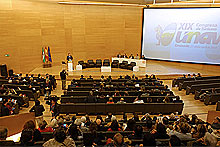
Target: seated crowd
column 106, row 89
column 17, row 90
column 190, row 76
column 137, row 131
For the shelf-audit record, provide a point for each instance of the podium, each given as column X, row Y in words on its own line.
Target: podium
column 70, row 65
column 106, row 69
column 78, row 67
column 136, row 68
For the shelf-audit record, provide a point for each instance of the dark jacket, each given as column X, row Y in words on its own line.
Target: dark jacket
column 68, row 58
column 38, row 110
column 63, row 75
column 54, row 109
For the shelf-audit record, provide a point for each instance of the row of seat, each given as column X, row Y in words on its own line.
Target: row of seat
column 88, row 138
column 212, row 98
column 106, row 62
column 190, row 83
column 113, row 88
column 179, row 80
column 101, row 108
column 206, row 89
column 88, row 81
column 133, row 92
column 209, row 90
column 127, row 99
column 193, row 88
column 92, row 64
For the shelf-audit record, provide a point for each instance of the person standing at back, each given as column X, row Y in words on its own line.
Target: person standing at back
column 63, row 75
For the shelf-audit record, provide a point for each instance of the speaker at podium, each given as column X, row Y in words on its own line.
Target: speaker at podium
column 70, row 65
column 69, row 59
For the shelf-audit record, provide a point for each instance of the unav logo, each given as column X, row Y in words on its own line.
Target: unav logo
column 165, row 36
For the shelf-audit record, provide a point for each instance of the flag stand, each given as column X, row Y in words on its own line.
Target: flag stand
column 47, row 65
column 46, row 57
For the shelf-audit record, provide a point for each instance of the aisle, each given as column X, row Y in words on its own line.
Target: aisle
column 191, row 106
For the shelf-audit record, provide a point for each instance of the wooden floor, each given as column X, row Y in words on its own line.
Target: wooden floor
column 164, row 70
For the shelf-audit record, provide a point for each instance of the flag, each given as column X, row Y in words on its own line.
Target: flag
column 49, row 55
column 46, row 54
column 43, row 55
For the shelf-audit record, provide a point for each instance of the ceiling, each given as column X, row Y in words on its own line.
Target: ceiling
column 146, row 2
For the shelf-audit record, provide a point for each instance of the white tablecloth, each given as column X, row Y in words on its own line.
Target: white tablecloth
column 70, row 66
column 78, row 67
column 139, row 62
column 106, row 69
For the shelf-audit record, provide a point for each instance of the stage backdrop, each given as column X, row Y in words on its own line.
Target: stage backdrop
column 184, row 34
column 86, row 31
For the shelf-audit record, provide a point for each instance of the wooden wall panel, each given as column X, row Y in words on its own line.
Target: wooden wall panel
column 87, row 32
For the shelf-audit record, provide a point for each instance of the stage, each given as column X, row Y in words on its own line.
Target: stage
column 162, row 69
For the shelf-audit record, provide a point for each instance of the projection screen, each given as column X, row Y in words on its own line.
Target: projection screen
column 182, row 34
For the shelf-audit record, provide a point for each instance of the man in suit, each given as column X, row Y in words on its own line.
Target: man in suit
column 63, row 79
column 69, row 57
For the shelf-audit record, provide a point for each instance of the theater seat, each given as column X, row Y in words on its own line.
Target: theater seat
column 115, row 64
column 106, row 62
column 123, row 65
column 84, row 65
column 131, row 65
column 7, row 143
column 90, row 64
column 98, row 63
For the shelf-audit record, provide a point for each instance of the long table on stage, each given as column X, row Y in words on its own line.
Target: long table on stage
column 139, row 62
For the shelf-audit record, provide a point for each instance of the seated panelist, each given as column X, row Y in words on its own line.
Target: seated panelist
column 119, row 55
column 131, row 56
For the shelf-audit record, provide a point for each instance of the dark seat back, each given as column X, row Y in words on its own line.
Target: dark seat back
column 7, row 143
column 47, row 135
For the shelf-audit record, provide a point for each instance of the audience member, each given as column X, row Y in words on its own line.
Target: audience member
column 138, row 133
column 38, row 109
column 110, row 101
column 75, row 132
column 118, row 141
column 137, row 57
column 29, row 126
column 43, row 127
column 136, row 117
column 160, row 132
column 121, row 101
column 60, row 139
column 114, row 126
column 90, row 78
column 149, row 140
column 183, row 133
column 3, row 133
column 54, row 108
column 63, row 75
column 216, row 123
column 131, row 124
column 82, row 77
column 27, row 137
column 174, row 141
column 138, row 101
